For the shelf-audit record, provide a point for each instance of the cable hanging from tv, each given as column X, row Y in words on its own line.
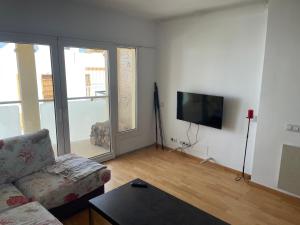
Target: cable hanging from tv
column 190, row 144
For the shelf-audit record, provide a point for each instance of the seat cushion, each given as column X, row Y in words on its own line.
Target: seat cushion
column 24, row 155
column 74, row 167
column 53, row 190
column 29, row 214
column 11, row 197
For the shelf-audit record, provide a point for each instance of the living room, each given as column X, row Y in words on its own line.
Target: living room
column 85, row 71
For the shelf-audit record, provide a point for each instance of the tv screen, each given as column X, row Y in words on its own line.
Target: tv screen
column 201, row 109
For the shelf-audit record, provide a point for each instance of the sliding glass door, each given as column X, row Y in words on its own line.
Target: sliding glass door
column 86, row 69
column 26, row 90
column 87, row 80
column 60, row 85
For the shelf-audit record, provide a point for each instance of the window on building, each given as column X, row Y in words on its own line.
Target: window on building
column 47, row 87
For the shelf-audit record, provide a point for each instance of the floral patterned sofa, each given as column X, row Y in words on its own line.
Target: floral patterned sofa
column 32, row 180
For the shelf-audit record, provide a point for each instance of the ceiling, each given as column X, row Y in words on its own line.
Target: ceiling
column 163, row 9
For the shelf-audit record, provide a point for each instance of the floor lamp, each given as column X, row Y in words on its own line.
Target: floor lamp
column 249, row 117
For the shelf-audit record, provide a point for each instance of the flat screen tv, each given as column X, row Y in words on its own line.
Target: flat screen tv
column 200, row 109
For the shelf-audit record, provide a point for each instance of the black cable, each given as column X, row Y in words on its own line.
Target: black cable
column 197, row 134
column 190, row 144
column 196, row 140
column 187, row 133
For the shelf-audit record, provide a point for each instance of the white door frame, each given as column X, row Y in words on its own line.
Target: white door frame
column 112, row 81
column 52, row 42
column 57, row 45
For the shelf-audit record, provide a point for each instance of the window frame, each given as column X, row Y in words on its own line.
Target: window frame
column 52, row 42
column 57, row 44
column 111, row 67
column 135, row 130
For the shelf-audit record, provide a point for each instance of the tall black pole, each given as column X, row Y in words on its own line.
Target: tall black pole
column 157, row 117
column 243, row 174
column 155, row 111
column 245, row 154
column 160, row 129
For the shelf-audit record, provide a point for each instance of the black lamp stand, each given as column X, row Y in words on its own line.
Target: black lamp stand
column 238, row 178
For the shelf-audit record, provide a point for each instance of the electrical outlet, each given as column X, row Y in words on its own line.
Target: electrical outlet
column 174, row 140
column 185, row 144
column 296, row 129
column 293, row 128
column 289, row 127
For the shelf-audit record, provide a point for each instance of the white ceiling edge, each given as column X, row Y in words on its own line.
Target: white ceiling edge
column 139, row 10
column 214, row 9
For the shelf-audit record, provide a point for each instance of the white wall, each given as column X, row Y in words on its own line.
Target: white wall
column 72, row 19
column 219, row 53
column 280, row 93
column 76, row 20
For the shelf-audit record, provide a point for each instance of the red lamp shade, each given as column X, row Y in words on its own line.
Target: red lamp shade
column 250, row 113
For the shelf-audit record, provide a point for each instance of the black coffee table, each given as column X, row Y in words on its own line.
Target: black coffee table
column 129, row 205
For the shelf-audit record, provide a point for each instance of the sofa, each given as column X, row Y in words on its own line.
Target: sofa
column 36, row 188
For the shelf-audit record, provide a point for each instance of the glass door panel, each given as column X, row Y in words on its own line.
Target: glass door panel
column 26, row 90
column 87, row 80
column 126, row 67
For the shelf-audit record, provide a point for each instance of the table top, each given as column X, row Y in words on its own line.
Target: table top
column 129, row 205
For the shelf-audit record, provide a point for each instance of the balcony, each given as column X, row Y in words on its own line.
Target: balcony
column 11, row 123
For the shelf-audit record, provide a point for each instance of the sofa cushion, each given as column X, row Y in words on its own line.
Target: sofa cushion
column 53, row 190
column 24, row 155
column 11, row 197
column 29, row 214
column 74, row 167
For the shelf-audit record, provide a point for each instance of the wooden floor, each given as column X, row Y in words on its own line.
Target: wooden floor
column 208, row 187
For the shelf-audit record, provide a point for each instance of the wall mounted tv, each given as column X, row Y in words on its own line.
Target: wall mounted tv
column 200, row 109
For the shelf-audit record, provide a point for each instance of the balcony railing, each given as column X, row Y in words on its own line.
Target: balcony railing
column 51, row 100
column 83, row 113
